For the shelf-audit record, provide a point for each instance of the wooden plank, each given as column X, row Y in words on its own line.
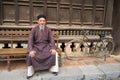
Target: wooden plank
column 12, row 59
column 11, row 51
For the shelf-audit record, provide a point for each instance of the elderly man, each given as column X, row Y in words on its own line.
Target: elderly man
column 41, row 49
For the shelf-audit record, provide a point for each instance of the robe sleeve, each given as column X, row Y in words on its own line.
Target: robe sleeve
column 51, row 39
column 30, row 41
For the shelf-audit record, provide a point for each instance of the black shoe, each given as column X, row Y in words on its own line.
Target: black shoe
column 37, row 74
column 55, row 73
column 28, row 77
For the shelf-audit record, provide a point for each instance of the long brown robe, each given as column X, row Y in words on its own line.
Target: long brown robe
column 41, row 41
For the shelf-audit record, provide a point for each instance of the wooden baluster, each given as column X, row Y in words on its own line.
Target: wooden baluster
column 8, row 62
column 63, row 47
column 11, row 40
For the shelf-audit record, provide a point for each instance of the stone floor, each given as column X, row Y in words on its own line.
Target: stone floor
column 87, row 68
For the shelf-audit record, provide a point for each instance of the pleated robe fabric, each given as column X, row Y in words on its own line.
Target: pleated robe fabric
column 41, row 41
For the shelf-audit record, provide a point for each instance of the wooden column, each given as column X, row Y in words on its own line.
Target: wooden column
column 58, row 9
column 16, row 12
column 116, row 25
column 31, row 12
column 94, row 11
column 82, row 12
column 108, row 13
column 0, row 12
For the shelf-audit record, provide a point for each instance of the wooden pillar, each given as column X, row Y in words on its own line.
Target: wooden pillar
column 108, row 13
column 16, row 12
column 31, row 12
column 0, row 12
column 116, row 25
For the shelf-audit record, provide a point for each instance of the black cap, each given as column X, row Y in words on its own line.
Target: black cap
column 41, row 16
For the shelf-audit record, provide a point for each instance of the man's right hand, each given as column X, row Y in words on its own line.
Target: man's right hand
column 32, row 53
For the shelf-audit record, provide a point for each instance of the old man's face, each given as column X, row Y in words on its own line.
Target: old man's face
column 42, row 21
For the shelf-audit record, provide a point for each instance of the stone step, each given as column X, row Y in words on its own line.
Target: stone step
column 85, row 72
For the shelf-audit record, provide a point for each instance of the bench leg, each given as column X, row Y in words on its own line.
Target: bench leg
column 60, row 61
column 8, row 62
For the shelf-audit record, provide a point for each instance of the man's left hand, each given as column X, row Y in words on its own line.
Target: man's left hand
column 53, row 51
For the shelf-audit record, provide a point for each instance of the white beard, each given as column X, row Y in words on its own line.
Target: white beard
column 41, row 27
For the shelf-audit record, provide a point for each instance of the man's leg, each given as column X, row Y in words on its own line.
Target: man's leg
column 55, row 68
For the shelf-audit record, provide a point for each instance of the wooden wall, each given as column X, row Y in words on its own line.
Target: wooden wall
column 59, row 12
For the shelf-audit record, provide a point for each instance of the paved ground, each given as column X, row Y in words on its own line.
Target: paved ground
column 88, row 68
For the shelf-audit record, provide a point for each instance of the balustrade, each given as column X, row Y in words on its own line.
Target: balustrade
column 64, row 36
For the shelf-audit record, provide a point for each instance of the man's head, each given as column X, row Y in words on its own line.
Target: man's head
column 41, row 19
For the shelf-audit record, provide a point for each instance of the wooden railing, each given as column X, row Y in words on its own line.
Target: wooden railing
column 19, row 35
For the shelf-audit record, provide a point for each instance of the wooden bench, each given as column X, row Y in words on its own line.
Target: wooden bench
column 14, row 36
column 11, row 54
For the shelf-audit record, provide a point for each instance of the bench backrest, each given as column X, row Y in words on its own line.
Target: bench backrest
column 19, row 36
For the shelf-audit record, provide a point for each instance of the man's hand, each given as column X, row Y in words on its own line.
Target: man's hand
column 53, row 51
column 32, row 53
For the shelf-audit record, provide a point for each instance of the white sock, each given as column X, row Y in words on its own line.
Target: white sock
column 55, row 68
column 30, row 71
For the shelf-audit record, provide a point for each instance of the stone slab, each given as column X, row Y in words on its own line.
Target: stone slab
column 19, row 74
column 66, row 73
column 110, row 70
column 91, row 72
